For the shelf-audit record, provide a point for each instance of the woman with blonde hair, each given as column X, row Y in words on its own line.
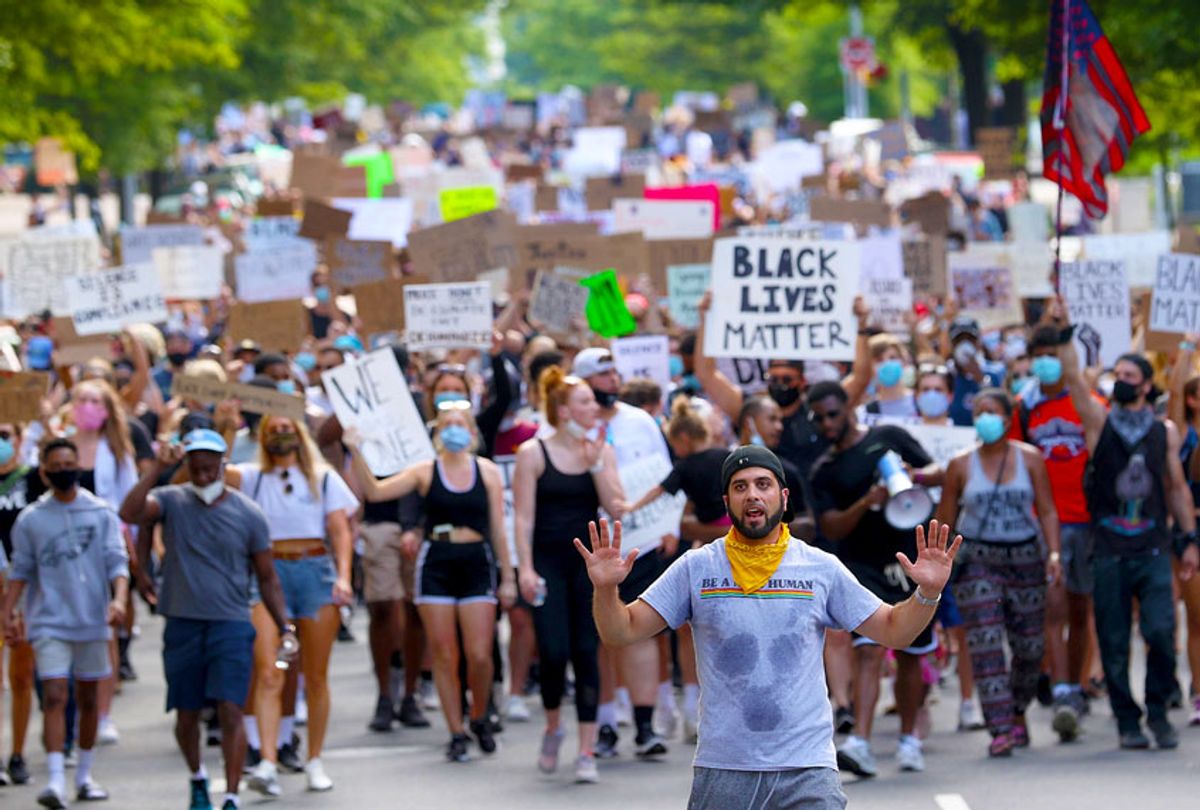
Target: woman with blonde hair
column 307, row 504
column 558, row 485
column 455, row 579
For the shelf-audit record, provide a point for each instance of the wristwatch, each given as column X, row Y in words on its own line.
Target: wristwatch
column 923, row 600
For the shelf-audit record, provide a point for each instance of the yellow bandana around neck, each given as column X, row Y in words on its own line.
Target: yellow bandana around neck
column 754, row 565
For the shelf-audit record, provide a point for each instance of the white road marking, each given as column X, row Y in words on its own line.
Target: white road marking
column 951, row 801
column 368, row 751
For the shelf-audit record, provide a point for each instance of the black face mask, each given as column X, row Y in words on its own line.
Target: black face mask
column 1124, row 393
column 177, row 358
column 604, row 399
column 63, row 480
column 784, row 395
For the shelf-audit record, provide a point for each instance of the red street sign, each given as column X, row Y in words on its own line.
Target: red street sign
column 857, row 53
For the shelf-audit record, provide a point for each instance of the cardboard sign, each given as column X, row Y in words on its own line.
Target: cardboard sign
column 448, row 316
column 275, row 207
column 1097, row 297
column 925, row 263
column 1139, row 251
column 600, row 192
column 457, row 251
column 645, row 357
column 665, row 219
column 378, row 170
column 664, row 253
column 893, row 143
column 891, row 302
column 606, row 312
column 705, row 192
column 516, row 172
column 70, row 349
column 644, row 529
column 460, row 203
column 33, row 271
column 105, row 301
column 389, row 219
column 250, row 398
column 557, row 303
column 138, row 244
column 930, row 212
column 322, row 221
column 627, row 252
column 276, row 325
column 370, row 394
column 380, row 304
column 996, row 145
column 984, row 290
column 274, row 275
column 780, row 298
column 55, row 165
column 686, row 284
column 1175, row 300
column 355, row 262
column 858, row 212
column 190, row 272
column 324, row 177
column 21, row 395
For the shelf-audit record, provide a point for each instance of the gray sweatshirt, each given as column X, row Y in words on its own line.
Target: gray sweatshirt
column 67, row 554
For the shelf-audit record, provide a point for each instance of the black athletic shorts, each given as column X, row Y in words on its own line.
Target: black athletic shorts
column 455, row 573
column 646, row 569
column 886, row 584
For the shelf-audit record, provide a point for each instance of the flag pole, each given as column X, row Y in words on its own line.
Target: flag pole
column 1060, row 114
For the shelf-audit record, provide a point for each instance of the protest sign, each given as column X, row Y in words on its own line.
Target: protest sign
column 459, row 203
column 941, row 442
column 516, row 172
column 930, row 212
column 644, row 357
column 1187, row 239
column 449, row 316
column 982, row 286
column 606, row 312
column 1029, row 222
column 378, row 170
column 861, row 213
column 1096, row 294
column 389, row 219
column 881, row 257
column 626, row 252
column 996, row 145
column 285, row 271
column 600, row 192
column 781, row 298
column 893, row 143
column 665, row 219
column 662, row 253
column 270, row 233
column 190, row 272
column 370, row 394
column 704, row 192
column 322, row 221
column 55, row 166
column 354, row 261
column 748, row 374
column 686, row 284
column 497, row 280
column 891, row 302
column 1175, row 300
column 33, row 271
column 1139, row 251
column 557, row 303
column 645, row 528
column 925, row 263
column 251, row 398
column 457, row 251
column 324, row 176
column 274, row 207
column 70, row 348
column 595, row 151
column 21, row 395
column 380, row 304
column 105, row 301
column 275, row 325
column 782, row 165
column 137, row 244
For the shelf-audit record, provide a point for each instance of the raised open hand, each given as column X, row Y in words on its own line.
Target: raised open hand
column 935, row 558
column 605, row 566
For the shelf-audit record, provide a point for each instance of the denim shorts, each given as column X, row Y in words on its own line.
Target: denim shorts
column 58, row 659
column 307, row 585
column 207, row 660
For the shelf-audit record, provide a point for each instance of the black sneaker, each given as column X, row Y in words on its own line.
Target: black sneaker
column 200, row 799
column 253, row 757
column 456, row 751
column 382, row 721
column 493, row 716
column 1045, row 695
column 289, row 759
column 482, row 729
column 17, row 770
column 344, row 634
column 606, row 742
column 1164, row 733
column 1134, row 740
column 410, row 714
column 212, row 733
column 649, row 745
column 230, row 804
column 843, row 720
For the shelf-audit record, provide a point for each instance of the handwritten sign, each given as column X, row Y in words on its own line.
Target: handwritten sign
column 983, row 287
column 456, row 251
column 190, row 272
column 137, row 244
column 644, row 357
column 448, row 316
column 701, row 192
column 557, row 303
column 21, row 395
column 686, row 284
column 748, row 374
column 280, row 273
column 925, row 263
column 891, row 302
column 664, row 219
column 251, row 398
column 459, row 203
column 783, row 299
column 265, row 233
column 665, row 252
column 1175, row 301
column 1139, row 251
column 644, row 529
column 370, row 394
column 105, row 301
column 857, row 212
column 388, row 219
column 1097, row 297
column 33, row 272
column 322, row 221
column 354, row 261
column 277, row 325
column 380, row 304
column 996, row 145
column 941, row 442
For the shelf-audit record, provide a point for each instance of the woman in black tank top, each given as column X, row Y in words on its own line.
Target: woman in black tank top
column 456, row 567
column 558, row 484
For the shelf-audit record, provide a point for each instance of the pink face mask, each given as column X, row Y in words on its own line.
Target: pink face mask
column 89, row 415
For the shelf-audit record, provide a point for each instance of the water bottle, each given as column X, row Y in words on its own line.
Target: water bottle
column 539, row 597
column 288, row 647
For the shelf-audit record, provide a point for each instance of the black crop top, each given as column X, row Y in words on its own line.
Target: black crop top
column 444, row 506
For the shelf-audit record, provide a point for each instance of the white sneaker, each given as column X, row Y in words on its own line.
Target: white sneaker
column 855, row 755
column 624, row 709
column 909, row 755
column 969, row 716
column 691, row 730
column 106, row 733
column 265, row 779
column 516, row 710
column 666, row 721
column 585, row 770
column 318, row 780
column 429, row 696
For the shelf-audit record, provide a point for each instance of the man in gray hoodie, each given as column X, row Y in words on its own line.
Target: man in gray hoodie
column 70, row 562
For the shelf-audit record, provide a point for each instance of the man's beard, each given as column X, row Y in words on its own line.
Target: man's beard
column 759, row 533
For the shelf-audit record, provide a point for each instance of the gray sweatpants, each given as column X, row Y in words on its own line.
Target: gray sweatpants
column 799, row 789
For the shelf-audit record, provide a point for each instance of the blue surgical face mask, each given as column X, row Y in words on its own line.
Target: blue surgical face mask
column 690, row 382
column 446, row 396
column 1047, row 369
column 889, row 373
column 7, row 451
column 990, row 427
column 285, row 387
column 455, row 438
column 321, row 293
column 933, row 403
column 306, row 361
column 675, row 366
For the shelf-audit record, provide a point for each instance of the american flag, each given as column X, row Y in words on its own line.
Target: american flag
column 1090, row 114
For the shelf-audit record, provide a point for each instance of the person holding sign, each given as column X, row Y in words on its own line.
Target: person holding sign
column 455, row 580
column 991, row 493
column 558, row 485
column 759, row 605
column 879, row 361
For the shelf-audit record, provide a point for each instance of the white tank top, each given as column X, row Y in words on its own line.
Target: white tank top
column 998, row 514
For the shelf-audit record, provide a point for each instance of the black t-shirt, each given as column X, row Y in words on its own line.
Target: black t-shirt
column 840, row 479
column 800, row 443
column 17, row 490
column 139, row 434
column 699, row 476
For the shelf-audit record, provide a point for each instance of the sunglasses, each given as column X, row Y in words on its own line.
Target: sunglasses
column 932, row 368
column 288, row 489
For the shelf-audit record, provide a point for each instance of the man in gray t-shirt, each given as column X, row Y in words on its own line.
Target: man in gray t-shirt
column 759, row 613
column 214, row 538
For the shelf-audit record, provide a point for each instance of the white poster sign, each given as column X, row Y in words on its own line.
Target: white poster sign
column 941, row 442
column 644, row 356
column 1175, row 302
column 748, row 374
column 138, row 243
column 438, row 316
column 783, row 165
column 371, row 395
column 1140, row 251
column 1096, row 293
column 1029, row 222
column 891, row 302
column 644, row 529
column 983, row 288
column 664, row 219
column 388, row 219
column 102, row 303
column 190, row 272
column 34, row 271
column 265, row 233
column 686, row 284
column 278, row 274
column 784, row 299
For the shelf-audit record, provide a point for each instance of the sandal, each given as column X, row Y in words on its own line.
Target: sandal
column 1001, row 746
column 1019, row 736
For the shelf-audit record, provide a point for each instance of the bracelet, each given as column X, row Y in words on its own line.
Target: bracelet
column 597, row 467
column 1055, row 556
column 923, row 600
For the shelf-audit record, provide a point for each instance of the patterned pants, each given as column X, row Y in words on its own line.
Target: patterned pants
column 1001, row 588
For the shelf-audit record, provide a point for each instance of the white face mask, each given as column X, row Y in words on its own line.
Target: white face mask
column 575, row 429
column 210, row 493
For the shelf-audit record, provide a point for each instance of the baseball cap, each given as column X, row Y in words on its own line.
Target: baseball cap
column 204, row 439
column 592, row 361
column 752, row 455
column 38, row 352
column 964, row 327
column 248, row 345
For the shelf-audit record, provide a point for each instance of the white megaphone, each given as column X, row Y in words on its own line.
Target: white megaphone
column 908, row 505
